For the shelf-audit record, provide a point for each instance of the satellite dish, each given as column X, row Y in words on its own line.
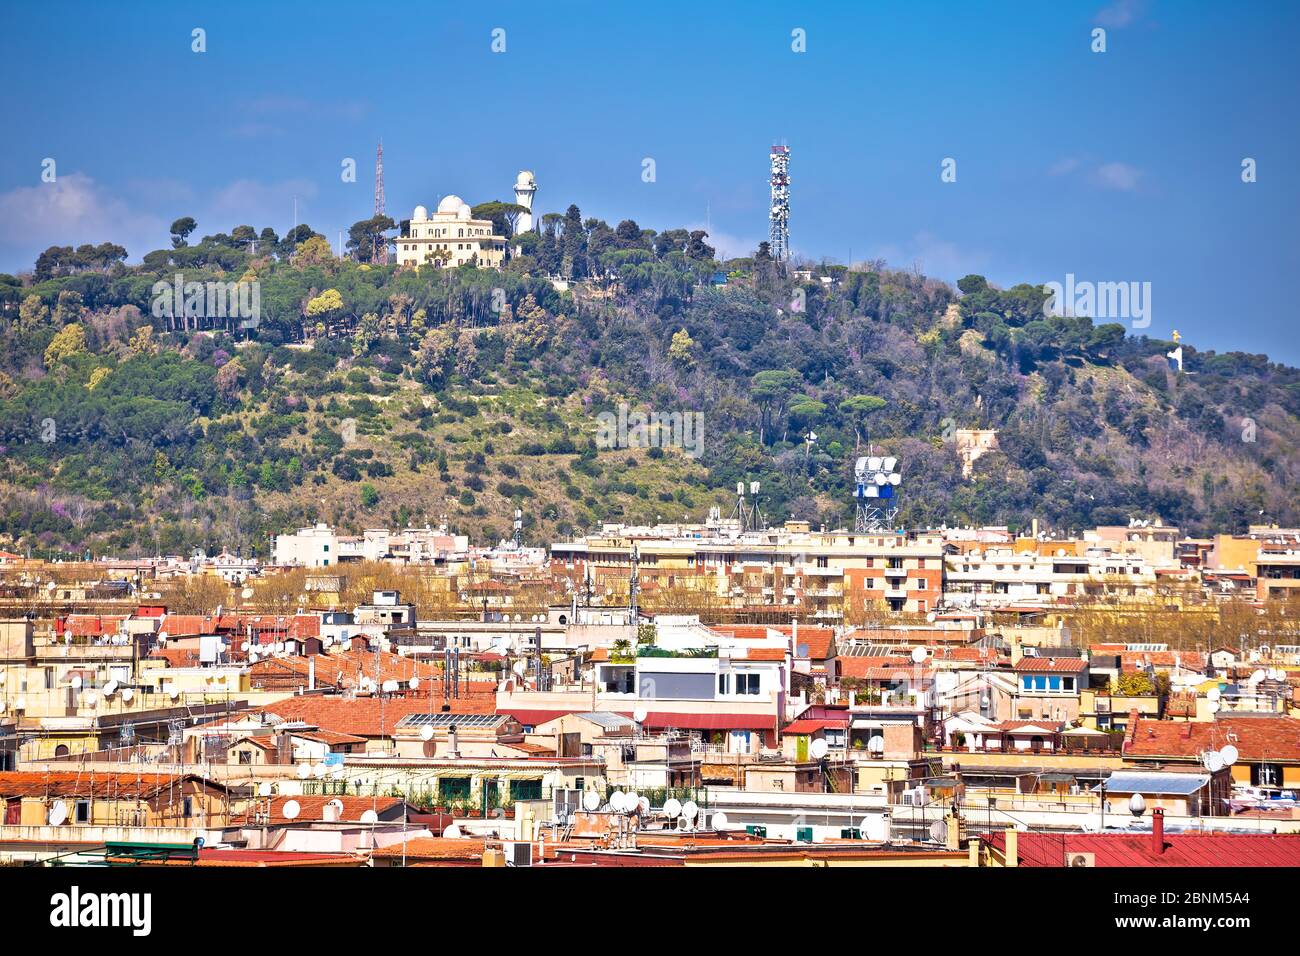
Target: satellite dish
column 127, row 695
column 673, row 807
column 426, row 732
column 370, row 817
column 689, row 810
column 939, row 831
column 291, row 810
column 415, row 683
column 173, row 692
column 304, row 771
column 591, row 800
column 639, row 715
column 520, row 668
column 337, row 774
column 1213, row 693
column 720, row 821
column 643, row 806
column 1137, row 804
column 1257, row 676
column 20, row 704
column 1214, row 707
column 889, row 464
column 110, row 688
column 918, row 655
column 819, row 749
column 876, row 745
column 1229, row 755
column 1213, row 761
column 58, row 814
column 881, row 478
column 244, row 646
column 246, row 593
column 90, row 699
column 452, row 832
column 616, row 801
column 895, row 479
column 76, row 682
column 318, row 771
column 390, row 686
column 873, row 463
column 264, row 789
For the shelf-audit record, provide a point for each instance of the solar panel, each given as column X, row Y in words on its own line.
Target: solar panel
column 449, row 720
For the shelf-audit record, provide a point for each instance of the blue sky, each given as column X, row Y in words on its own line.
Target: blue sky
column 1115, row 166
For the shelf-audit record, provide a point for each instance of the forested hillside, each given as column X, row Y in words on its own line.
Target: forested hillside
column 366, row 395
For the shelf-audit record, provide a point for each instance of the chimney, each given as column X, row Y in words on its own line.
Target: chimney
column 1158, row 831
column 455, row 751
column 1012, row 850
column 311, row 673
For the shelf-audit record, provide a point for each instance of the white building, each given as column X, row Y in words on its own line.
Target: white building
column 451, row 235
column 525, row 188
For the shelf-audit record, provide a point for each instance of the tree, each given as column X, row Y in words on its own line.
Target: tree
column 770, row 389
column 325, row 304
column 315, row 251
column 68, row 307
column 859, row 408
column 681, row 349
column 503, row 215
column 369, row 496
column 32, row 312
column 70, row 341
column 368, row 240
column 181, row 230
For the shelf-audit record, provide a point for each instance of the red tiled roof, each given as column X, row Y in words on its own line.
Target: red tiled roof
column 811, row 725
column 102, row 785
column 312, row 808
column 1181, row 849
column 1262, row 738
column 765, row 654
column 1055, row 665
column 361, row 716
column 859, row 666
column 434, row 848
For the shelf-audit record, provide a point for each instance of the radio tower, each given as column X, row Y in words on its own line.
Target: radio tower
column 380, row 245
column 779, row 219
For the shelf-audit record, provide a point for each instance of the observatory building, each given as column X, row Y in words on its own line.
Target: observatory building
column 451, row 235
column 525, row 188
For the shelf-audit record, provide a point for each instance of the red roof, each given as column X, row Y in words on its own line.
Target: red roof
column 1055, row 665
column 1258, row 738
column 1181, row 849
column 811, row 725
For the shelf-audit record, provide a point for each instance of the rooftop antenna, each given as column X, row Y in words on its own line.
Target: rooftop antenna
column 779, row 216
column 380, row 242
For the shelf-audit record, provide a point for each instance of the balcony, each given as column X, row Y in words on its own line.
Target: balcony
column 895, row 572
column 897, row 593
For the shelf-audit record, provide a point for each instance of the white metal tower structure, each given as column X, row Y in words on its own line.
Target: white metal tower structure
column 525, row 187
column 779, row 218
column 876, row 481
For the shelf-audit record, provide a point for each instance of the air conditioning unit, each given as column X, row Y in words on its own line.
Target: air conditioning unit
column 1080, row 859
column 519, row 854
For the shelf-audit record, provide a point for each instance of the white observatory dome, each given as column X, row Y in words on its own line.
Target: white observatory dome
column 454, row 205
column 420, row 213
column 525, row 178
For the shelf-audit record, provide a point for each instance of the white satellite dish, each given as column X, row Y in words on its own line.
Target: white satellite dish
column 881, row 478
column 291, row 810
column 303, row 771
column 616, row 801
column 889, row 464
column 631, row 801
column 639, row 715
column 20, row 703
column 1137, row 804
column 939, row 831
column 1213, row 693
column 1213, row 761
column 110, row 688
column 76, row 682
column 391, row 686
column 246, row 593
column 426, row 732
column 720, row 821
column 876, row 745
column 1229, row 755
column 672, row 807
column 643, row 806
column 591, row 800
column 918, row 655
column 90, row 699
column 520, row 668
column 264, row 788
column 818, row 749
column 337, row 774
column 58, row 814
column 689, row 810
column 173, row 692
column 1214, row 707
column 370, row 817
column 873, row 463
column 1256, row 676
column 127, row 695
column 318, row 770
column 451, row 833
column 895, row 479
column 244, row 646
column 415, row 683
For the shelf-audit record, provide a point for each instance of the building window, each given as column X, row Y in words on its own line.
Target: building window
column 724, row 683
column 188, row 809
column 747, row 683
column 83, row 811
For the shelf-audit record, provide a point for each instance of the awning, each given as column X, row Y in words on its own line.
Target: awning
column 1056, row 777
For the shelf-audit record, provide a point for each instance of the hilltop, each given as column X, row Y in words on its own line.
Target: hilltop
column 367, row 395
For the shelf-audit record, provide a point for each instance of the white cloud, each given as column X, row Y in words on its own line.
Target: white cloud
column 256, row 203
column 1119, row 176
column 728, row 246
column 72, row 210
column 932, row 255
column 1121, row 13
